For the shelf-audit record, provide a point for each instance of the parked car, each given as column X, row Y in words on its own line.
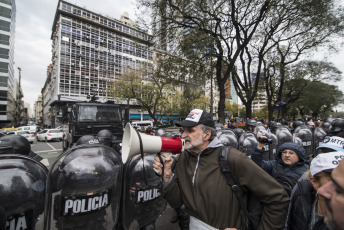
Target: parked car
column 29, row 136
column 7, row 130
column 50, row 134
column 31, row 128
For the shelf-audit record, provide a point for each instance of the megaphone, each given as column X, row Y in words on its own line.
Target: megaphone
column 150, row 144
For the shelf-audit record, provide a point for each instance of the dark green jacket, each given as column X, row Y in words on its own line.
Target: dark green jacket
column 211, row 200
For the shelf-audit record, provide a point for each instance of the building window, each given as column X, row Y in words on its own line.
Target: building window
column 9, row 2
column 5, row 12
column 3, row 67
column 3, row 53
column 4, row 39
column 5, row 26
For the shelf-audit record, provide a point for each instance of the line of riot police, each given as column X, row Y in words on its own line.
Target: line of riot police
column 304, row 133
column 87, row 187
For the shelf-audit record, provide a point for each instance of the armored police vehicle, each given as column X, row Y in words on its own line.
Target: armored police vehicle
column 88, row 118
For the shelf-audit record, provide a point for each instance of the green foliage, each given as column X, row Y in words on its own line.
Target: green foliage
column 317, row 99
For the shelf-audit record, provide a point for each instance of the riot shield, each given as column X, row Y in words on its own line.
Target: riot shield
column 319, row 135
column 259, row 131
column 273, row 147
column 306, row 135
column 247, row 143
column 238, row 132
column 142, row 201
column 229, row 138
column 22, row 192
column 84, row 189
column 283, row 136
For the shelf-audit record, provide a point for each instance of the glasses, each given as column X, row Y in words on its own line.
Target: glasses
column 288, row 152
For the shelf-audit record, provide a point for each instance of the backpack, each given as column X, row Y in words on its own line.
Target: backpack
column 253, row 210
column 287, row 183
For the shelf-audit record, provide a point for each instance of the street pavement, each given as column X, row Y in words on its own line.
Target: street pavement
column 49, row 151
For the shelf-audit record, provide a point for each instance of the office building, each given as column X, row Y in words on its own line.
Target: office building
column 7, row 81
column 89, row 53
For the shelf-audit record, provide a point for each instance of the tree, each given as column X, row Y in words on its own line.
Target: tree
column 244, row 37
column 318, row 98
column 222, row 29
column 144, row 87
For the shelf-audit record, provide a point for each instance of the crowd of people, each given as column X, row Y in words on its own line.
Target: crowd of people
column 292, row 170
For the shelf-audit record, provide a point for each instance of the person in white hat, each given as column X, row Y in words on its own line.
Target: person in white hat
column 198, row 183
column 306, row 207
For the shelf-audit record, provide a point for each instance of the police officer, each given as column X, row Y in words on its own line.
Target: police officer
column 22, row 184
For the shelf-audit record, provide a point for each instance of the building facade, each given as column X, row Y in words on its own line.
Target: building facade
column 7, row 81
column 89, row 53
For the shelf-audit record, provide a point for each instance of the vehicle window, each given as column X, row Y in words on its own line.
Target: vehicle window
column 27, row 128
column 99, row 113
column 55, row 131
column 43, row 131
column 22, row 132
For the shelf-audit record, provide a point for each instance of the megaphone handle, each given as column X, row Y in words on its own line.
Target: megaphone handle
column 163, row 166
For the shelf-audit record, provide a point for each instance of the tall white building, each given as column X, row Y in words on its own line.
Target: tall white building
column 89, row 52
column 7, row 82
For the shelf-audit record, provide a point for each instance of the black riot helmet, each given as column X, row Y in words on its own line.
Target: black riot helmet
column 15, row 144
column 297, row 124
column 337, row 128
column 251, row 124
column 105, row 137
column 326, row 125
column 87, row 139
column 275, row 126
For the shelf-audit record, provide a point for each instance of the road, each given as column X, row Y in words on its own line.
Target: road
column 52, row 149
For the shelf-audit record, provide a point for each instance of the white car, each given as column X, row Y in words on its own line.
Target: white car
column 50, row 134
column 29, row 136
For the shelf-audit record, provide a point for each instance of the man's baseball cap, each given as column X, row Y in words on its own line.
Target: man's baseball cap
column 335, row 143
column 326, row 162
column 197, row 117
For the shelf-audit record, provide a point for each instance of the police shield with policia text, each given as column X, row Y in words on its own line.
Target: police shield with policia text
column 22, row 185
column 84, row 188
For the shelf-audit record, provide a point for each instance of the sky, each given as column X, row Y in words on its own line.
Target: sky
column 34, row 20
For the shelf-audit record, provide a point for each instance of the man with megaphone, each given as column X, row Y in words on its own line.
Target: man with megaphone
column 198, row 183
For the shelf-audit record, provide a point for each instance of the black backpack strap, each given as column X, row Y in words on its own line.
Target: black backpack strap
column 229, row 178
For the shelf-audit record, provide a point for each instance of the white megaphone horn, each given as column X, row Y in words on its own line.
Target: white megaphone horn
column 150, row 144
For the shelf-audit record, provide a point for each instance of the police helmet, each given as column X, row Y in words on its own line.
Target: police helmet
column 326, row 125
column 337, row 128
column 15, row 144
column 105, row 137
column 160, row 132
column 310, row 123
column 251, row 122
column 297, row 124
column 87, row 139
